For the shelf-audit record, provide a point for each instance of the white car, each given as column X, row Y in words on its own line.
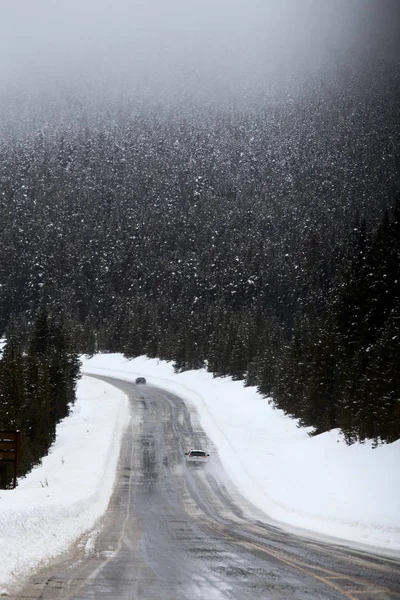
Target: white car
column 196, row 457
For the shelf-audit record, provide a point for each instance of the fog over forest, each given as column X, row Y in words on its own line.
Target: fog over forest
column 186, row 48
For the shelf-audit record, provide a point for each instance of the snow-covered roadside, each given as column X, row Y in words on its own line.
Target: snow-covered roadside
column 62, row 498
column 316, row 483
column 319, row 484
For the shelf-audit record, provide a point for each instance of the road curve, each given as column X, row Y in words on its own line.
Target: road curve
column 178, row 533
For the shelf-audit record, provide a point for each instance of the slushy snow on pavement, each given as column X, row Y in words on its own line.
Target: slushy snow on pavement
column 314, row 483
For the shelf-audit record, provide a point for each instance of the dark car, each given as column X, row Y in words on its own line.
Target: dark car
column 140, row 379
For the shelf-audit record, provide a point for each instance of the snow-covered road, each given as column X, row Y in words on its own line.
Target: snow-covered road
column 318, row 484
column 315, row 483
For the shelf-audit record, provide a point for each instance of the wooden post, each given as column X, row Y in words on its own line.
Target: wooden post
column 16, row 461
column 10, row 449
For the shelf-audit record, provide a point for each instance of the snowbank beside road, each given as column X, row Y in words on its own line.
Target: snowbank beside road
column 319, row 483
column 62, row 498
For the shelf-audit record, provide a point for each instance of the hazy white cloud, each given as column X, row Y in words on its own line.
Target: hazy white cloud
column 211, row 41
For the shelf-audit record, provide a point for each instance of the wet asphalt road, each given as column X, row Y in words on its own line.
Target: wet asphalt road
column 177, row 533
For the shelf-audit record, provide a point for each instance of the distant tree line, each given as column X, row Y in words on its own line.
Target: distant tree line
column 260, row 242
column 38, row 373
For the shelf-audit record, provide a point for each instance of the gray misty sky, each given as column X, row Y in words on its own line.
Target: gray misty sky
column 193, row 42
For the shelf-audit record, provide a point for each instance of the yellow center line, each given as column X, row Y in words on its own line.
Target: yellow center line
column 308, row 569
column 366, row 591
column 295, row 565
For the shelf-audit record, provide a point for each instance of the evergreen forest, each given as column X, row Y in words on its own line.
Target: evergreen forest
column 259, row 240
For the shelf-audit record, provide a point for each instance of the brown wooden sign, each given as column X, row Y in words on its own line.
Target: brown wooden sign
column 10, row 445
column 9, row 436
column 9, row 449
column 8, row 456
